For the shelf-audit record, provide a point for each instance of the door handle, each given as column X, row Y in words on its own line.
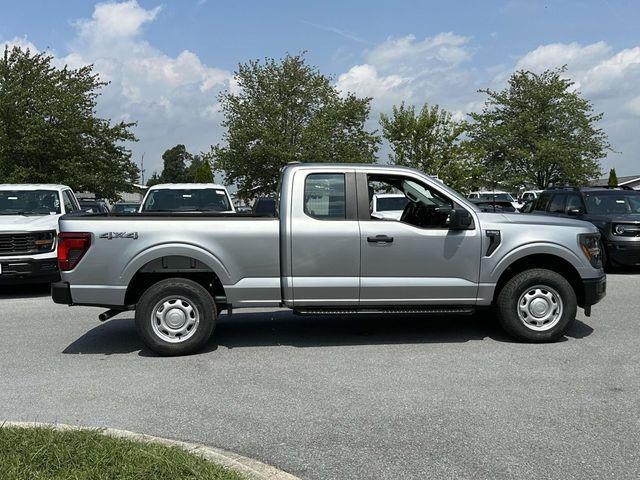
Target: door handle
column 380, row 239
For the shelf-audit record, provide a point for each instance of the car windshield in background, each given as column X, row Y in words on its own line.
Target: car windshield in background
column 388, row 204
column 504, row 197
column 186, row 200
column 619, row 203
column 29, row 202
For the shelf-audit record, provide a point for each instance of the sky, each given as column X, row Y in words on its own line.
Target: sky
column 167, row 60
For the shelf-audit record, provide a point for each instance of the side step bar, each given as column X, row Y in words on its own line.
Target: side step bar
column 424, row 309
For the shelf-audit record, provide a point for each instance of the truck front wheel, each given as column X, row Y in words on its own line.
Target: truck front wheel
column 175, row 316
column 537, row 305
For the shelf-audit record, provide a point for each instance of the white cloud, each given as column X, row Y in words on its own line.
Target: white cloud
column 116, row 20
column 365, row 80
column 20, row 42
column 173, row 99
column 437, row 70
column 412, row 70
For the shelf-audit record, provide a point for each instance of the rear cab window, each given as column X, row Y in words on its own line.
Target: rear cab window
column 324, row 196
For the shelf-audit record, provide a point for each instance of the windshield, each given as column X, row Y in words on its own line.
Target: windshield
column 619, row 203
column 187, row 200
column 29, row 202
column 501, row 197
column 386, row 204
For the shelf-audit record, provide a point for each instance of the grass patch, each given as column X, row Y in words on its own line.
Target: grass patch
column 45, row 453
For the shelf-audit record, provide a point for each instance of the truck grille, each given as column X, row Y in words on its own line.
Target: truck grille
column 17, row 243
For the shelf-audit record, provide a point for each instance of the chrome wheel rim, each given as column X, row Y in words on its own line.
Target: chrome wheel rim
column 540, row 308
column 174, row 319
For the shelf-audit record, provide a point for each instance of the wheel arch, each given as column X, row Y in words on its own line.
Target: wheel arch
column 547, row 261
column 175, row 260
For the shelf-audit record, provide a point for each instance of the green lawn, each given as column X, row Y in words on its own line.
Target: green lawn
column 45, row 453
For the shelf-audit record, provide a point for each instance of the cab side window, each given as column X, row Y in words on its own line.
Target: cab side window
column 324, row 196
column 542, row 202
column 574, row 203
column 421, row 205
column 557, row 204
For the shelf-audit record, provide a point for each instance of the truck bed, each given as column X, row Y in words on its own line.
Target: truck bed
column 242, row 249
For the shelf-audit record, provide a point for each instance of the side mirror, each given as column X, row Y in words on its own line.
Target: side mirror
column 575, row 212
column 459, row 219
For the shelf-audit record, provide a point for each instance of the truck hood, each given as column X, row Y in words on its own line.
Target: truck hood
column 30, row 223
column 533, row 219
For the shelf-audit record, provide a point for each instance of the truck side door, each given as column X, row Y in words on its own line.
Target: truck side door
column 416, row 260
column 325, row 238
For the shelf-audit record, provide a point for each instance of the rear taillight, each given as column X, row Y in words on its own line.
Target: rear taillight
column 71, row 248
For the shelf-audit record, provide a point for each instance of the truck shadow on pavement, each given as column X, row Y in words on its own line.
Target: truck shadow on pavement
column 272, row 329
column 27, row 290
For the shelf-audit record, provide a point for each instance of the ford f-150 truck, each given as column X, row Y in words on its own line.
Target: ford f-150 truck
column 325, row 253
column 29, row 216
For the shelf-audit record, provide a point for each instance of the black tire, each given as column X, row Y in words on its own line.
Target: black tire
column 516, row 287
column 194, row 296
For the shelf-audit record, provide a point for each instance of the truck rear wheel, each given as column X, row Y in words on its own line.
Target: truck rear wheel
column 175, row 316
column 537, row 305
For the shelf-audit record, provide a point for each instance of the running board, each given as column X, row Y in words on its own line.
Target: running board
column 425, row 309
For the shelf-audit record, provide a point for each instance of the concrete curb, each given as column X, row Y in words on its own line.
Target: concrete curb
column 250, row 468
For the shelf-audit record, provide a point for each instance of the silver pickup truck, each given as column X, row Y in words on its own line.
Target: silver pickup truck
column 326, row 253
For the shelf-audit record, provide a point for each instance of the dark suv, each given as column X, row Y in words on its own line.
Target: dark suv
column 615, row 211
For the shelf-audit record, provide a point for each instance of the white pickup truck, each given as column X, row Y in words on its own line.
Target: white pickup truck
column 28, row 230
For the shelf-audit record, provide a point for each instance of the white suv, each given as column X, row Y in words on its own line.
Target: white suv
column 29, row 228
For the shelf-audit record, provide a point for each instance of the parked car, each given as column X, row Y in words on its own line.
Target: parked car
column 326, row 254
column 494, row 206
column 28, row 231
column 244, row 209
column 126, row 207
column 187, row 197
column 614, row 211
column 495, row 195
column 388, row 205
column 265, row 206
column 93, row 206
column 529, row 195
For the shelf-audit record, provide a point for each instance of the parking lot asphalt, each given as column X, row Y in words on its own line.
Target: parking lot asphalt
column 360, row 397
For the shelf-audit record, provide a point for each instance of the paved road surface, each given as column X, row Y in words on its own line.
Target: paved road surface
column 347, row 398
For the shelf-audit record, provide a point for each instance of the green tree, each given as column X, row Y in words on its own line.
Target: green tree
column 286, row 111
column 49, row 131
column 538, row 130
column 154, row 179
column 430, row 141
column 200, row 170
column 175, row 162
column 613, row 178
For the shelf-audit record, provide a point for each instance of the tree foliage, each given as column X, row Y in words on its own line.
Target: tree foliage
column 613, row 178
column 430, row 141
column 180, row 166
column 285, row 111
column 49, row 131
column 538, row 130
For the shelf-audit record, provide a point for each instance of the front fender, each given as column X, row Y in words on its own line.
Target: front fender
column 537, row 248
column 174, row 249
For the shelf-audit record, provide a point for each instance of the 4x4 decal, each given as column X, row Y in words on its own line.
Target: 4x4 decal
column 112, row 235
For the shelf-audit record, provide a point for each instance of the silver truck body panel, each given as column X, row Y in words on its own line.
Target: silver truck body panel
column 243, row 253
column 300, row 261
